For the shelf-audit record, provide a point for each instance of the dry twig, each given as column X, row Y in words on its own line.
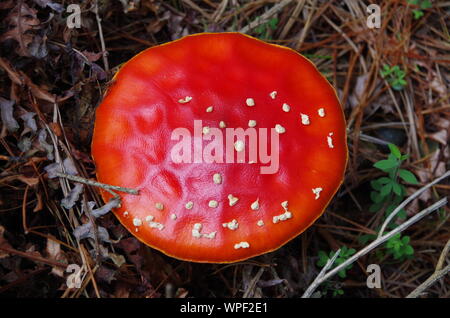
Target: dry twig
column 438, row 273
column 97, row 184
column 374, row 244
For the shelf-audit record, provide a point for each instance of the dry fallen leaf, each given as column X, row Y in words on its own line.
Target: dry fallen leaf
column 12, row 74
column 117, row 259
column 31, row 181
column 437, row 168
column 91, row 56
column 6, row 111
column 21, row 24
column 20, row 78
column 87, row 231
column 72, row 197
column 54, row 168
column 52, row 5
column 443, row 134
column 55, row 253
column 438, row 85
column 44, row 145
column 111, row 204
column 6, row 4
column 105, row 274
column 37, row 91
column 30, row 122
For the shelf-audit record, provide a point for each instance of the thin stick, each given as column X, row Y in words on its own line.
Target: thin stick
column 102, row 40
column 349, row 41
column 219, row 11
column 265, row 16
column 443, row 256
column 379, row 241
column 292, row 19
column 387, row 236
column 439, row 272
column 251, row 288
column 96, row 184
column 196, row 7
column 430, row 281
column 316, row 281
column 23, row 49
column 32, row 257
column 409, row 199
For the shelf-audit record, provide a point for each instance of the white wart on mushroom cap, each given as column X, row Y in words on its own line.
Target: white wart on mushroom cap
column 189, row 205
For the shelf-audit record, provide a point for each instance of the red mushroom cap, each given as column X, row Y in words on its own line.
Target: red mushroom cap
column 211, row 211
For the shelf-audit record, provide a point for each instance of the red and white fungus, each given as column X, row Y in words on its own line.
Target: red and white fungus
column 220, row 211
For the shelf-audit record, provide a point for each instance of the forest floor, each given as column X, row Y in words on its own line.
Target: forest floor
column 393, row 82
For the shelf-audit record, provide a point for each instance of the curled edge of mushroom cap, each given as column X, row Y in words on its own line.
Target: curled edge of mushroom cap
column 107, row 196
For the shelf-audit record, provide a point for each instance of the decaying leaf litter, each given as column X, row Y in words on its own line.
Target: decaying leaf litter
column 392, row 81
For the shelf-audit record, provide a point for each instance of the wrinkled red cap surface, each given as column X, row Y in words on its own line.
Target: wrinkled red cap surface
column 132, row 146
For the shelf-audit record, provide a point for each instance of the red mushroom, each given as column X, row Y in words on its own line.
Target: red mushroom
column 205, row 210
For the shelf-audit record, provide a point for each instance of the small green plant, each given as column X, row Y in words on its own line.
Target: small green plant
column 338, row 292
column 387, row 191
column 399, row 247
column 394, row 76
column 263, row 29
column 421, row 5
column 343, row 256
column 331, row 286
